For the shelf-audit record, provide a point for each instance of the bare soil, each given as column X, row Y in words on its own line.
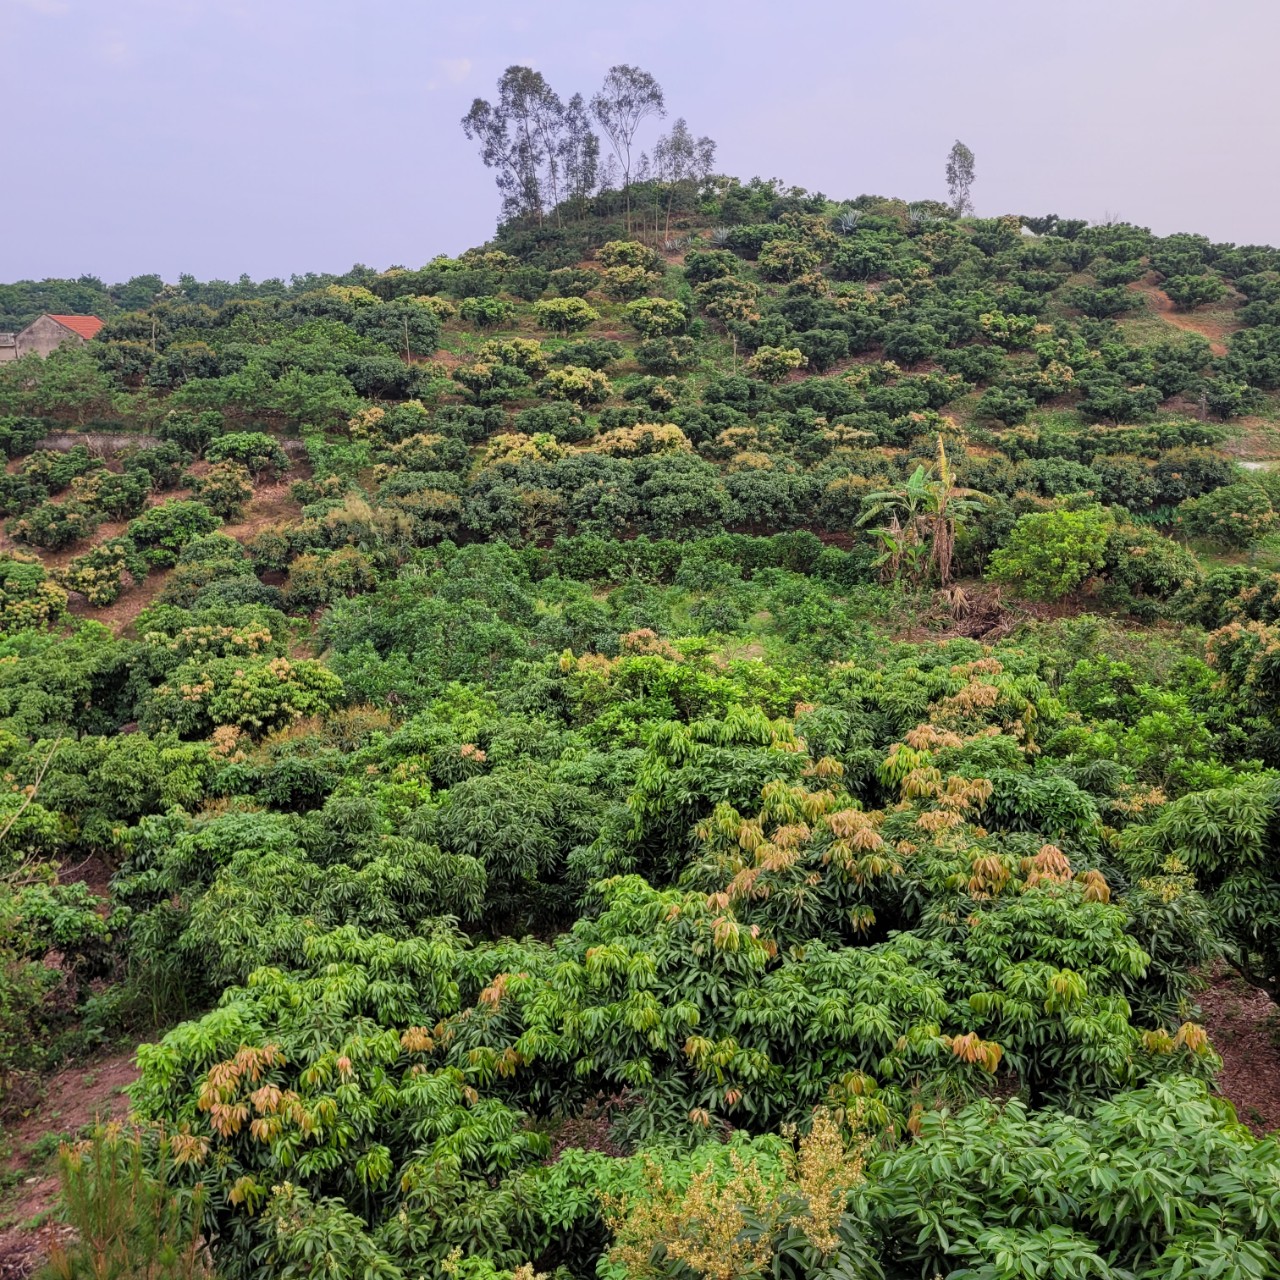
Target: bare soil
column 1252, row 439
column 74, row 1099
column 1244, row 1026
column 1213, row 327
column 270, row 505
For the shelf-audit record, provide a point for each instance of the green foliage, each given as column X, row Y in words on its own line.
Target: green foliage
column 485, row 313
column 578, row 385
column 162, row 532
column 772, row 364
column 256, row 695
column 317, row 579
column 28, row 598
column 99, row 574
column 656, row 317
column 224, row 488
column 1194, row 291
column 1221, row 837
column 1050, row 554
column 55, row 525
column 128, row 1214
column 565, row 315
column 257, row 452
column 1235, row 515
column 784, row 260
column 588, row 800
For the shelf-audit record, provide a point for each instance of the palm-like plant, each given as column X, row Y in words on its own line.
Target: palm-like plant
column 921, row 519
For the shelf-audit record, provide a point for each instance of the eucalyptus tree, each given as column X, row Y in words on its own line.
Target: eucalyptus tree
column 960, row 175
column 680, row 159
column 578, row 154
column 628, row 97
column 521, row 137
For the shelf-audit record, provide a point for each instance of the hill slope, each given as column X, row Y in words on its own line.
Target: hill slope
column 669, row 756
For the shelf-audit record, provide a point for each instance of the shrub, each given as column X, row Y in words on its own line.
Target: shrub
column 321, row 577
column 1189, row 292
column 18, row 435
column 162, row 531
column 485, row 312
column 490, row 383
column 629, row 253
column 1049, row 554
column 224, row 488
column 1236, row 515
column 162, row 462
column 626, row 283
column 191, row 431
column 910, row 343
column 784, row 260
column 1228, row 398
column 99, row 574
column 402, row 323
column 1102, row 303
column 703, row 265
column 667, row 356
column 581, row 386
column 1107, row 395
column 1109, row 274
column 573, row 282
column 212, row 560
column 1006, row 405
column 772, row 364
column 117, row 497
column 559, row 419
column 1253, row 356
column 258, row 452
column 564, row 315
column 525, row 354
column 54, row 526
column 656, row 317
column 1141, row 564
column 256, row 695
column 28, row 598
column 823, row 347
column 590, row 353
column 129, row 1212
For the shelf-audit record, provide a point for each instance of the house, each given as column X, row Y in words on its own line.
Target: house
column 45, row 333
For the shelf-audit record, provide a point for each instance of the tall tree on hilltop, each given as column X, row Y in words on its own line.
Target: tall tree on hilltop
column 679, row 158
column 520, row 138
column 578, row 154
column 628, row 97
column 960, row 166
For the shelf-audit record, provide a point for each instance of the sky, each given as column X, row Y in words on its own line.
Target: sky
column 278, row 136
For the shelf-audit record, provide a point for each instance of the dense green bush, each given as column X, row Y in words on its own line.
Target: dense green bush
column 164, row 530
column 28, row 598
column 1050, row 554
column 1235, row 515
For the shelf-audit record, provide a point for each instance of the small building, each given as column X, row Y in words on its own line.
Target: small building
column 46, row 333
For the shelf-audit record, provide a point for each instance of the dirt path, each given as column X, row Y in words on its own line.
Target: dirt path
column 74, row 1098
column 1215, row 330
column 1244, row 1026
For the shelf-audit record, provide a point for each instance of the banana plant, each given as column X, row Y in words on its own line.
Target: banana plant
column 919, row 534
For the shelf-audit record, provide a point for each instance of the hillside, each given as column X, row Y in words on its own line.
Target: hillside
column 717, row 734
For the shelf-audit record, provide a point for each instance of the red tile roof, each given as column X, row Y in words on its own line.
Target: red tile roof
column 85, row 326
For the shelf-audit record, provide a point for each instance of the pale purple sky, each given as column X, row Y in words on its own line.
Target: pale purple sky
column 279, row 136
